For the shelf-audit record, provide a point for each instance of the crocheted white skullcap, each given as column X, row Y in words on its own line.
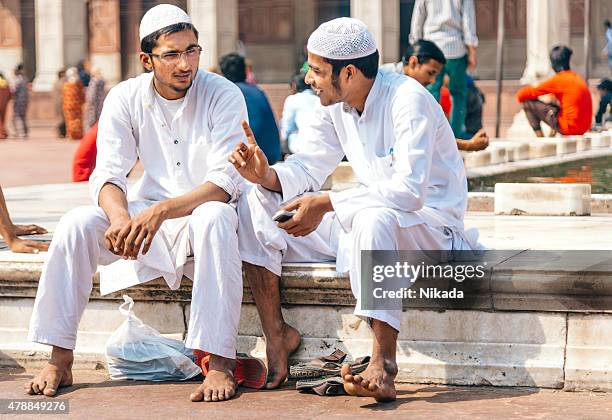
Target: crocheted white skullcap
column 342, row 39
column 160, row 16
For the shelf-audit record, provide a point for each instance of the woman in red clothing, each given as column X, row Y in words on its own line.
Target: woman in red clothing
column 574, row 112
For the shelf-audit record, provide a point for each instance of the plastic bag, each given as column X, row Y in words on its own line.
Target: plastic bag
column 139, row 352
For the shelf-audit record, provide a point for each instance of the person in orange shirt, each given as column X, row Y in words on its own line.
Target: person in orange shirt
column 573, row 113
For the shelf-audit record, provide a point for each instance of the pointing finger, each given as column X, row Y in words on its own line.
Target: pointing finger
column 248, row 132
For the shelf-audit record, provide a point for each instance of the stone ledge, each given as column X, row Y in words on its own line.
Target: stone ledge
column 570, row 281
column 543, row 199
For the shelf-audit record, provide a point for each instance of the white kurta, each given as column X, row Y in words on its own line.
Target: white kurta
column 412, row 193
column 176, row 159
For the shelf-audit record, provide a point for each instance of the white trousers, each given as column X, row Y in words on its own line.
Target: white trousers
column 262, row 243
column 78, row 247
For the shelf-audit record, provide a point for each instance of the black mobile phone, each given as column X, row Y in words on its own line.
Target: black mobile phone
column 282, row 216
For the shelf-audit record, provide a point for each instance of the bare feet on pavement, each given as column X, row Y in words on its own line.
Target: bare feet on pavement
column 377, row 381
column 219, row 384
column 57, row 374
column 278, row 348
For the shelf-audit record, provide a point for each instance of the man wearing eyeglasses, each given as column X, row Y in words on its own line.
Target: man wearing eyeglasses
column 181, row 123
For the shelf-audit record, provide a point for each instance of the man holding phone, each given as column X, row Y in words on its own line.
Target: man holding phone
column 412, row 193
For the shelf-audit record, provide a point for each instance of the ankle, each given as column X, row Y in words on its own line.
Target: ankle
column 388, row 363
column 222, row 363
column 62, row 357
column 276, row 329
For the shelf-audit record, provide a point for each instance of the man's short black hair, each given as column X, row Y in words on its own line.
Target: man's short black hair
column 607, row 23
column 424, row 51
column 150, row 41
column 560, row 58
column 299, row 80
column 233, row 67
column 368, row 65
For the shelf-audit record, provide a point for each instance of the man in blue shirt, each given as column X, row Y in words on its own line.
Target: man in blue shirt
column 261, row 118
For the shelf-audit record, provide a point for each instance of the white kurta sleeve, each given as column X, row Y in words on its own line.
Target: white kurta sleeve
column 415, row 123
column 225, row 120
column 319, row 155
column 116, row 145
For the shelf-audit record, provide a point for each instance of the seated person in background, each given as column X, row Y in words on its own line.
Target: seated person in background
column 423, row 61
column 573, row 113
column 10, row 233
column 261, row 117
column 298, row 108
column 605, row 91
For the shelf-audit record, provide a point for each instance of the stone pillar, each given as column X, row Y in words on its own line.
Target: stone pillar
column 10, row 36
column 547, row 26
column 130, row 39
column 217, row 23
column 104, row 41
column 61, row 38
column 382, row 18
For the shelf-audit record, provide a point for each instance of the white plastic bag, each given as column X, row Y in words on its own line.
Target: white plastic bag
column 137, row 351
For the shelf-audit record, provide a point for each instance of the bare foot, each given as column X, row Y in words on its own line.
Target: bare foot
column 376, row 381
column 278, row 348
column 219, row 384
column 57, row 374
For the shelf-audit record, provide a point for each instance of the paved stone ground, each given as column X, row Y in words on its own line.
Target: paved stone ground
column 41, row 159
column 95, row 396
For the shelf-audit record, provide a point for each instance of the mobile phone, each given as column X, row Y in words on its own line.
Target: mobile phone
column 282, row 216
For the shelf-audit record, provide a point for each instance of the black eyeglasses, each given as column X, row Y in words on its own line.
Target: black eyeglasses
column 174, row 57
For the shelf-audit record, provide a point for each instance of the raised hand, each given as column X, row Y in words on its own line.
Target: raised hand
column 249, row 160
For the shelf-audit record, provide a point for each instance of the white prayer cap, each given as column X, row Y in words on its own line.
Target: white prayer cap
column 160, row 16
column 342, row 39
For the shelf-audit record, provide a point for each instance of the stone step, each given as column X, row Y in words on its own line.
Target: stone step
column 599, row 140
column 530, row 323
column 563, row 146
column 477, row 159
column 539, row 149
column 515, row 150
column 543, row 199
column 485, row 202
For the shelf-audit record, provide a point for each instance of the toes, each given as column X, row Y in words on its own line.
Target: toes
column 52, row 385
column 196, row 396
column 49, row 392
column 346, row 373
column 275, row 382
column 215, row 395
column 364, row 383
column 372, row 387
column 208, row 395
column 29, row 388
column 229, row 393
column 357, row 379
column 35, row 387
column 221, row 394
